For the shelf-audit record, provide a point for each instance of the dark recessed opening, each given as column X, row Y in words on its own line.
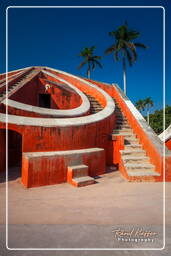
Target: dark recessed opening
column 45, row 100
column 14, row 155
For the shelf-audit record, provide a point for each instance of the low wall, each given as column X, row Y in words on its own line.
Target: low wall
column 48, row 168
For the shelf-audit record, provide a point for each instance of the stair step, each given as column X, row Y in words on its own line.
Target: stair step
column 93, row 106
column 121, row 126
column 95, row 103
column 142, row 173
column 96, row 110
column 135, row 152
column 118, row 119
column 79, row 170
column 126, row 134
column 124, row 130
column 121, row 118
column 136, row 167
column 121, row 122
column 129, row 141
column 89, row 95
column 84, row 181
column 118, row 110
column 118, row 113
column 135, row 159
column 133, row 146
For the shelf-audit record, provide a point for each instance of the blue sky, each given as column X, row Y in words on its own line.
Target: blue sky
column 54, row 37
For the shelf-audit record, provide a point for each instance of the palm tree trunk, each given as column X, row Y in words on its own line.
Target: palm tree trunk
column 88, row 71
column 124, row 74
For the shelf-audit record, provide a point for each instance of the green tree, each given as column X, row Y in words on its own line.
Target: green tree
column 156, row 119
column 148, row 103
column 140, row 105
column 91, row 60
column 124, row 45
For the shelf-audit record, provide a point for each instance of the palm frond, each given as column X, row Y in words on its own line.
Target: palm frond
column 131, row 46
column 116, row 55
column 82, row 64
column 98, row 63
column 132, row 34
column 111, row 49
column 93, row 65
column 97, row 57
column 129, row 57
column 141, row 45
column 112, row 33
column 92, row 48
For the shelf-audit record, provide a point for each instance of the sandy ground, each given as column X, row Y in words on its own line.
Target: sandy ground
column 65, row 216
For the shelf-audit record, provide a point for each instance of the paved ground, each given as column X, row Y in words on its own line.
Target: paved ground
column 64, row 216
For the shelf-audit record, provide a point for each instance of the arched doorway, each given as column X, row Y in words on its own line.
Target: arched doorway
column 14, row 150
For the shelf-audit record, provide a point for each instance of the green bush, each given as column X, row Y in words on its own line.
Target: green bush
column 156, row 119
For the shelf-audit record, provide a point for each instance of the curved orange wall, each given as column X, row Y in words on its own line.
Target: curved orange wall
column 83, row 87
column 36, row 139
column 61, row 97
column 64, row 100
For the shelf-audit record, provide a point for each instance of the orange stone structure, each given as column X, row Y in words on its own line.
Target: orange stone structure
column 168, row 143
column 165, row 136
column 64, row 128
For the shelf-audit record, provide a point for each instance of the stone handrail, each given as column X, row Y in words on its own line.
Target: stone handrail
column 158, row 144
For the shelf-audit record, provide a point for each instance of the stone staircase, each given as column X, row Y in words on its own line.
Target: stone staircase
column 95, row 106
column 17, row 85
column 136, row 162
column 78, row 176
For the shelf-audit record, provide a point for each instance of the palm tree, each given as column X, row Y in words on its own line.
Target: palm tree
column 125, row 46
column 89, row 59
column 148, row 103
column 140, row 105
